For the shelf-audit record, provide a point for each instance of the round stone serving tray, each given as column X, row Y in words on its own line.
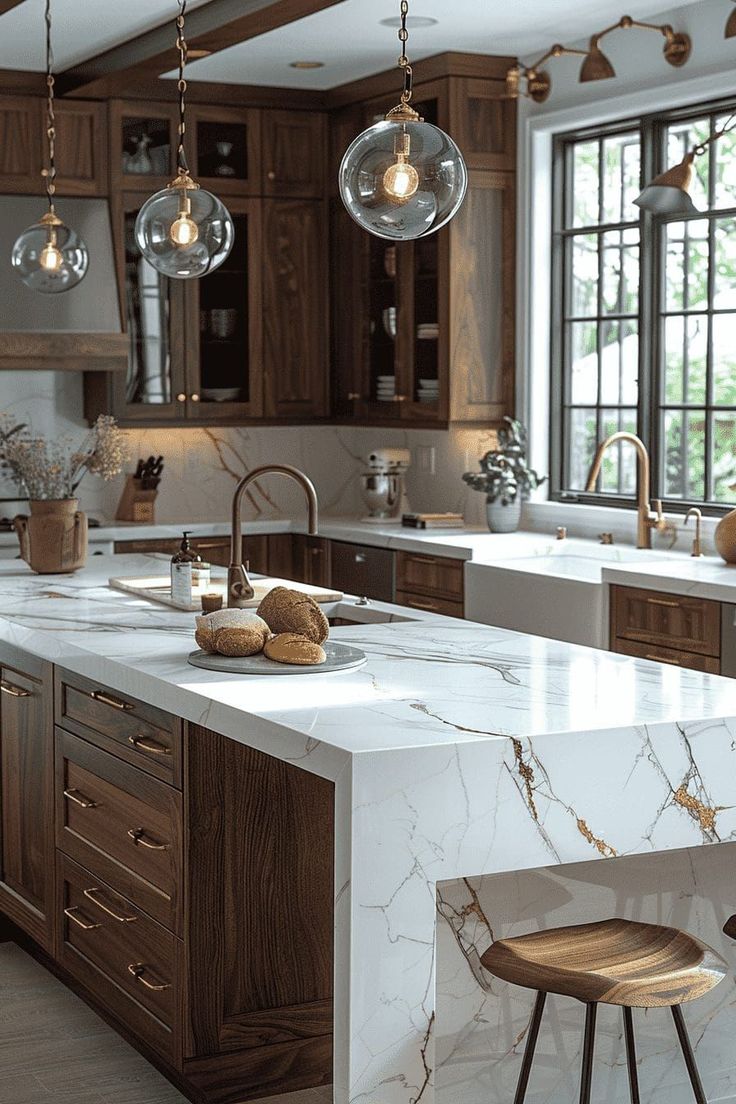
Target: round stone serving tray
column 340, row 657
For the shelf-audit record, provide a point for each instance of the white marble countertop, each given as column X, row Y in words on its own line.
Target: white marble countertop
column 459, row 544
column 699, row 577
column 458, row 750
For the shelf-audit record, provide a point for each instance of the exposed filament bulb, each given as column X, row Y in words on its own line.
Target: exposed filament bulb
column 184, row 230
column 51, row 258
column 401, row 179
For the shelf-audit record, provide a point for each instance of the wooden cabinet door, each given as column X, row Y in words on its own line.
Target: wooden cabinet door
column 81, row 148
column 311, row 560
column 294, row 153
column 26, row 769
column 483, row 123
column 296, row 368
column 21, row 145
column 260, row 1021
column 227, row 148
column 481, row 309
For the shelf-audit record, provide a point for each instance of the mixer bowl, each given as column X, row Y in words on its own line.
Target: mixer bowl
column 382, row 493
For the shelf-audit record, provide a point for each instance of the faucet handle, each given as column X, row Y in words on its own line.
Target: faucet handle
column 658, row 519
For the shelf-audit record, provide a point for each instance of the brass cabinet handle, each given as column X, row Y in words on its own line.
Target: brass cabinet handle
column 663, row 659
column 79, row 798
column 421, row 559
column 137, row 968
column 271, row 174
column 194, row 397
column 181, row 397
column 13, row 690
column 138, row 836
column 400, row 398
column 108, row 699
column 353, row 396
column 72, row 914
column 414, row 603
column 90, row 895
column 140, row 743
column 663, row 602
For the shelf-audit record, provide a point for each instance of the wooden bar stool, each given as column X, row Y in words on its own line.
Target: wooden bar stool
column 612, row 962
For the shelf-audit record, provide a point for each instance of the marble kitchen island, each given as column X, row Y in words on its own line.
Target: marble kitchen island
column 459, row 751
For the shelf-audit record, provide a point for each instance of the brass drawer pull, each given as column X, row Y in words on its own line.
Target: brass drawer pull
column 107, row 699
column 138, row 836
column 663, row 659
column 663, row 602
column 414, row 603
column 140, row 743
column 13, row 690
column 90, row 895
column 422, row 560
column 137, row 968
column 72, row 914
column 79, row 799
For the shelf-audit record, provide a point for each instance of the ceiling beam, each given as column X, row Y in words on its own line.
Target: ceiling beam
column 212, row 27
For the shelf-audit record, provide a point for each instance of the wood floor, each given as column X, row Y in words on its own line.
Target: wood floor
column 56, row 1050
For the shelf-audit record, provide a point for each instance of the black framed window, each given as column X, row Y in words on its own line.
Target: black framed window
column 644, row 314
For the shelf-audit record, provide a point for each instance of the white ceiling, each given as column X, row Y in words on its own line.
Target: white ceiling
column 351, row 42
column 81, row 29
column 348, row 37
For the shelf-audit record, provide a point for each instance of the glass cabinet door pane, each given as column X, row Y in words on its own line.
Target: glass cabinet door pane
column 147, row 311
column 224, row 367
column 146, row 147
column 222, row 150
column 383, row 321
column 426, row 322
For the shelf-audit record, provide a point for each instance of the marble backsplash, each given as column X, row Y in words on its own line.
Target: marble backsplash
column 201, row 465
column 482, row 1022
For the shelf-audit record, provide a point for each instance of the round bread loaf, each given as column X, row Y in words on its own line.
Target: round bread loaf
column 290, row 647
column 240, row 642
column 291, row 611
column 211, row 625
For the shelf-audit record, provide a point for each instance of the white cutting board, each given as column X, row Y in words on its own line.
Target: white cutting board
column 157, row 588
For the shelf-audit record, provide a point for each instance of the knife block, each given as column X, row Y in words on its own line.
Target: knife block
column 136, row 502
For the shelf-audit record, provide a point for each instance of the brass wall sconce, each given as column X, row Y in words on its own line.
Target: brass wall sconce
column 730, row 31
column 669, row 193
column 596, row 66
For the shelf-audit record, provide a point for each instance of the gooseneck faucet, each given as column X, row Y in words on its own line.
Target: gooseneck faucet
column 647, row 519
column 239, row 587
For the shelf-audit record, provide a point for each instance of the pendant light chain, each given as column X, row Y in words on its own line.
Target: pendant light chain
column 181, row 45
column 403, row 60
column 49, row 173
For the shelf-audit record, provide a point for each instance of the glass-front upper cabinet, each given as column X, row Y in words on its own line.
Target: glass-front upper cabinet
column 142, row 145
column 224, row 345
column 225, row 143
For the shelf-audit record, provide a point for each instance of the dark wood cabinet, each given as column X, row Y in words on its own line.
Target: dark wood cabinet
column 81, row 140
column 423, row 332
column 227, row 149
column 311, row 560
column 669, row 628
column 294, row 154
column 431, row 583
column 295, row 355
column 26, row 798
column 214, row 550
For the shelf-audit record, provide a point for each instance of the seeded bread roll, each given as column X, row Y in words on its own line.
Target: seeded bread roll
column 290, row 611
column 212, row 625
column 292, row 648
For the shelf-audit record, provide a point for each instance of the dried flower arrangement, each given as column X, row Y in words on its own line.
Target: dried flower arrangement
column 53, row 470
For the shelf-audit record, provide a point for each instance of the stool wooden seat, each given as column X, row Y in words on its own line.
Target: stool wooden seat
column 617, row 962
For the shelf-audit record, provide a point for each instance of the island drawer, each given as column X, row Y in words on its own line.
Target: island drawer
column 141, row 734
column 671, row 620
column 126, row 960
column 691, row 660
column 122, row 823
column 436, row 576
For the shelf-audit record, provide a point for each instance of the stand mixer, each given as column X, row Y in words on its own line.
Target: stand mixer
column 383, row 485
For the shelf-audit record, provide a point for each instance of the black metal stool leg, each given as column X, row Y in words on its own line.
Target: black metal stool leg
column 631, row 1056
column 687, row 1053
column 531, row 1046
column 586, row 1078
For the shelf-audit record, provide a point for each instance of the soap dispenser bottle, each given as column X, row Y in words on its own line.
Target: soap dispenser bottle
column 182, row 573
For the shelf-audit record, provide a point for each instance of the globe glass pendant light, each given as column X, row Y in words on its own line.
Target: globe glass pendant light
column 184, row 231
column 48, row 256
column 403, row 178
